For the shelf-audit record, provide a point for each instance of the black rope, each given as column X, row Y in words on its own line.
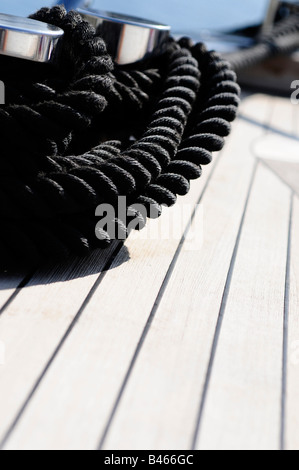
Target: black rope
column 87, row 131
column 283, row 39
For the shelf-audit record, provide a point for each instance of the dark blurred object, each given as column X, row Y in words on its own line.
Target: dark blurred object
column 286, row 8
column 264, row 56
column 73, row 4
column 278, row 11
column 275, row 74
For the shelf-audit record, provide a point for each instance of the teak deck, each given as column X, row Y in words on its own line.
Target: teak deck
column 171, row 343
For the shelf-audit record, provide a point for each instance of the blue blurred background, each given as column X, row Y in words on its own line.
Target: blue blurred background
column 185, row 16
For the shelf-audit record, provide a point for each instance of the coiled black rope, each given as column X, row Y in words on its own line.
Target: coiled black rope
column 283, row 39
column 87, row 131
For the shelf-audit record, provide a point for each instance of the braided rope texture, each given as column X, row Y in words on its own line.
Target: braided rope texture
column 85, row 131
column 282, row 39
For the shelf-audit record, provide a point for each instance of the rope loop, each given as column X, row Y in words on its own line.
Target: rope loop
column 87, row 132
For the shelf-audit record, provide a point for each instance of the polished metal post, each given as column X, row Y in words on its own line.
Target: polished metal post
column 28, row 39
column 128, row 39
column 270, row 16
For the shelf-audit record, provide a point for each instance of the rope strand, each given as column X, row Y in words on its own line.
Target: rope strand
column 88, row 131
column 282, row 40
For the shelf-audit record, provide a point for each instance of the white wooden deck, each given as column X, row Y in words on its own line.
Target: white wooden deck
column 171, row 343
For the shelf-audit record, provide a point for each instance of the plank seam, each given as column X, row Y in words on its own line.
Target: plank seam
column 222, row 313
column 61, row 343
column 154, row 311
column 269, row 128
column 286, row 327
column 264, row 162
column 109, row 263
column 16, row 292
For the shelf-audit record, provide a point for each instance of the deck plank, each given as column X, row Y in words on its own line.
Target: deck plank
column 92, row 358
column 61, row 303
column 288, row 172
column 284, row 115
column 292, row 389
column 243, row 406
column 162, row 398
column 164, row 392
column 281, row 129
column 8, row 289
column 10, row 281
column 35, row 321
column 296, row 120
column 254, row 109
column 93, row 362
column 281, row 141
